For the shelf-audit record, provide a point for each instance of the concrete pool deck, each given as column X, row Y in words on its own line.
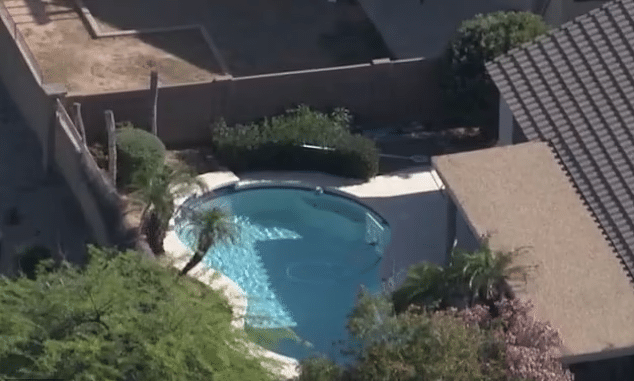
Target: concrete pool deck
column 409, row 200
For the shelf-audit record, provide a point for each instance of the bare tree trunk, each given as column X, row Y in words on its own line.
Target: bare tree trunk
column 79, row 121
column 154, row 101
column 204, row 243
column 112, row 146
column 196, row 259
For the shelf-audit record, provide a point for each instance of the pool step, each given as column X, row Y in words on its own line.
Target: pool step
column 245, row 267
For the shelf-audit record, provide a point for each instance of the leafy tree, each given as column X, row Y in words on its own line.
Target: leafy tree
column 319, row 368
column 211, row 227
column 156, row 189
column 120, row 318
column 419, row 346
column 29, row 259
column 468, row 92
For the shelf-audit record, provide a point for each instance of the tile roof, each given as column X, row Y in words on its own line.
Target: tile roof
column 574, row 88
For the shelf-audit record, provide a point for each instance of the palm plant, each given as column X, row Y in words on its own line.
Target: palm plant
column 211, row 227
column 426, row 283
column 156, row 190
column 470, row 277
column 483, row 272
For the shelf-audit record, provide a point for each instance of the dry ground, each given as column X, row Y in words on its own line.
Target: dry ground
column 68, row 54
column 253, row 36
column 259, row 36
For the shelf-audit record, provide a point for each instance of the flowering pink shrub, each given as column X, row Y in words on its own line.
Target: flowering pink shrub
column 531, row 346
column 477, row 315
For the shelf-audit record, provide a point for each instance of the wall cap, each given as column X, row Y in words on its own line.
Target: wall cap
column 380, row 61
column 55, row 89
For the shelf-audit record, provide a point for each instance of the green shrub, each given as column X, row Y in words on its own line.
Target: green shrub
column 30, row 258
column 137, row 150
column 276, row 143
column 319, row 369
column 420, row 346
column 468, row 92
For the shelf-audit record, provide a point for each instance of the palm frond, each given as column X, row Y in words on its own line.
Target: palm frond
column 483, row 271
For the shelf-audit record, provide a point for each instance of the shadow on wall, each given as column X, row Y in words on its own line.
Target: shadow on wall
column 616, row 369
column 354, row 42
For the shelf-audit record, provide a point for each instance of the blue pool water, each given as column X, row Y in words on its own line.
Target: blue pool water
column 300, row 257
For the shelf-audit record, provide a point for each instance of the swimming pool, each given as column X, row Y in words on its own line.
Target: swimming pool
column 301, row 254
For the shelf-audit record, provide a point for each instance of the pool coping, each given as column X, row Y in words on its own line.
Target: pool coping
column 286, row 184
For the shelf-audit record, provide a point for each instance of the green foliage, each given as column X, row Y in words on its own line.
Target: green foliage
column 483, row 272
column 426, row 346
column 426, row 283
column 30, row 258
column 478, row 276
column 319, row 369
column 373, row 320
column 468, row 91
column 120, row 318
column 211, row 227
column 156, row 188
column 276, row 144
column 137, row 151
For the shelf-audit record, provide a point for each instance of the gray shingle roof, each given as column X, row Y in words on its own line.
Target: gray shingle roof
column 574, row 88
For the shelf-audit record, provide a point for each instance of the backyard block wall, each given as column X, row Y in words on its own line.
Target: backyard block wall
column 383, row 91
column 96, row 194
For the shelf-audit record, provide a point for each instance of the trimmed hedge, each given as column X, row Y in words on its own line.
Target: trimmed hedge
column 137, row 150
column 276, row 143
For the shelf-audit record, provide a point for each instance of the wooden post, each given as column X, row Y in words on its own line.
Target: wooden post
column 112, row 146
column 79, row 121
column 154, row 101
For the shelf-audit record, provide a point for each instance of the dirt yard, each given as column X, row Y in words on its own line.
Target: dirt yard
column 67, row 53
column 259, row 36
column 253, row 36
